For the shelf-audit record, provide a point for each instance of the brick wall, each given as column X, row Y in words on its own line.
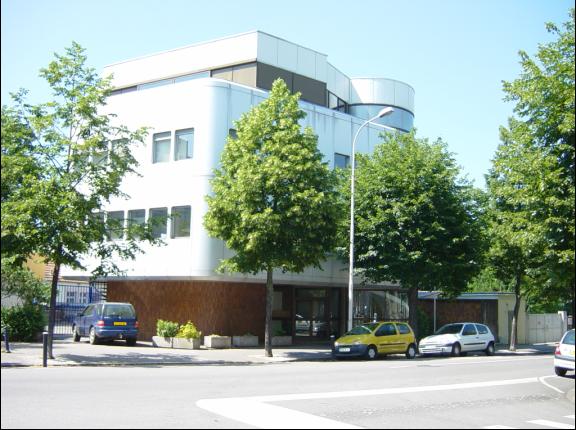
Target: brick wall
column 450, row 311
column 214, row 307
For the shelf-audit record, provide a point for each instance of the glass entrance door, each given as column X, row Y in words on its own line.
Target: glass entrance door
column 311, row 319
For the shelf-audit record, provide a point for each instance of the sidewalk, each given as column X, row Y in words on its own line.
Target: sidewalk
column 68, row 353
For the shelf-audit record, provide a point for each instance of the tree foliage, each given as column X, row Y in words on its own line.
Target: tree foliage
column 275, row 202
column 532, row 182
column 417, row 223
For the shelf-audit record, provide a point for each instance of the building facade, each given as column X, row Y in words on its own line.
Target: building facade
column 190, row 98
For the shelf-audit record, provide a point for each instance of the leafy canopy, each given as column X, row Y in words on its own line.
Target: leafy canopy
column 275, row 202
column 61, row 162
column 417, row 223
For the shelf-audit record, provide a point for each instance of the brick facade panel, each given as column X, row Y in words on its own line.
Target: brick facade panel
column 214, row 307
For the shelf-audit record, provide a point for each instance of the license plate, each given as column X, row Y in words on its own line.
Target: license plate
column 344, row 349
column 120, row 323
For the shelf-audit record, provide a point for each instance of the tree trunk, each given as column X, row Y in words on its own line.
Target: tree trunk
column 413, row 309
column 514, row 329
column 268, row 325
column 52, row 313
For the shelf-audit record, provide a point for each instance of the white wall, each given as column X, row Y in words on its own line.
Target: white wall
column 210, row 106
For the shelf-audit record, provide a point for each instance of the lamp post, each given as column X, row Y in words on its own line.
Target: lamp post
column 383, row 112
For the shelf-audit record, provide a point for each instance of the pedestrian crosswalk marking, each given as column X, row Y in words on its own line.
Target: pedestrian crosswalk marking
column 553, row 424
column 499, row 427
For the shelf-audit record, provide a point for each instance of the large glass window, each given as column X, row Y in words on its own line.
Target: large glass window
column 115, row 225
column 136, row 217
column 161, row 147
column 158, row 220
column 341, row 161
column 380, row 305
column 181, row 221
column 184, row 145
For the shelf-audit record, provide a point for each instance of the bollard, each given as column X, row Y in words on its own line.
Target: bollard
column 44, row 349
column 6, row 340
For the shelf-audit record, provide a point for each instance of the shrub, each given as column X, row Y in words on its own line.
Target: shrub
column 189, row 331
column 24, row 323
column 167, row 328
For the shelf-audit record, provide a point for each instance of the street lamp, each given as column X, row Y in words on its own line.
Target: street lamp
column 383, row 112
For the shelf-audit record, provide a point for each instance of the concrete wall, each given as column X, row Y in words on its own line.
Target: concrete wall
column 545, row 327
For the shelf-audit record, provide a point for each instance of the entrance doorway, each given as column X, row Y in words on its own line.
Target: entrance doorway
column 317, row 313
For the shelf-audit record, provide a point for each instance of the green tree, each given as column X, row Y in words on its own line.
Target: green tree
column 275, row 203
column 20, row 282
column 63, row 161
column 417, row 223
column 532, row 182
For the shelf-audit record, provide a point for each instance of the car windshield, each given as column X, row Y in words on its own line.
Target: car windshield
column 119, row 311
column 450, row 329
column 362, row 329
column 569, row 338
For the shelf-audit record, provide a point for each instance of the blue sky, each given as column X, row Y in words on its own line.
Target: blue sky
column 455, row 53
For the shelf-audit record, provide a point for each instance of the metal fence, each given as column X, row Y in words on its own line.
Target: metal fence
column 72, row 299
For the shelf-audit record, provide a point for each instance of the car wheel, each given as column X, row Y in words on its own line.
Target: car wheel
column 93, row 337
column 371, row 353
column 560, row 371
column 490, row 349
column 75, row 334
column 456, row 350
column 411, row 352
column 131, row 341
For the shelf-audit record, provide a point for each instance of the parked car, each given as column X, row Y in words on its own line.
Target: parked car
column 105, row 322
column 370, row 340
column 457, row 339
column 564, row 354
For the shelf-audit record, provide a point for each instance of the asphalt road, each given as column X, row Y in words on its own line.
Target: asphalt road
column 465, row 392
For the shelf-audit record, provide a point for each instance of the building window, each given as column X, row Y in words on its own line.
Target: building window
column 341, row 161
column 115, row 225
column 161, row 147
column 158, row 220
column 181, row 221
column 184, row 145
column 136, row 218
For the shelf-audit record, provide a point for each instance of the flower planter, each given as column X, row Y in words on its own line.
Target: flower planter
column 175, row 342
column 183, row 343
column 218, row 342
column 281, row 340
column 162, row 342
column 245, row 341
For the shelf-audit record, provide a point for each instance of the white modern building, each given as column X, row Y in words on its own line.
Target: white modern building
column 190, row 98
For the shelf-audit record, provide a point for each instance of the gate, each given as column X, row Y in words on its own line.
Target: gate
column 72, row 299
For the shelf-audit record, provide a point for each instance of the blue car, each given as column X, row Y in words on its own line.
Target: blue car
column 106, row 322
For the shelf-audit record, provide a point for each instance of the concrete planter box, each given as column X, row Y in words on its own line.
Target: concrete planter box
column 281, row 340
column 175, row 342
column 218, row 342
column 245, row 341
column 183, row 343
column 162, row 342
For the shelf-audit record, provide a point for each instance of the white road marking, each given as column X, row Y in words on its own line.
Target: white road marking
column 462, row 362
column 542, row 380
column 552, row 424
column 570, row 417
column 499, row 427
column 256, row 412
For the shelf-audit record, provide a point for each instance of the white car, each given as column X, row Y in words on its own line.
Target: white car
column 564, row 355
column 458, row 338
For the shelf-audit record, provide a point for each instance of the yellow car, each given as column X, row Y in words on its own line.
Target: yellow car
column 370, row 340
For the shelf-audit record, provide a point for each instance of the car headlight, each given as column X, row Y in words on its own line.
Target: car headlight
column 336, row 344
